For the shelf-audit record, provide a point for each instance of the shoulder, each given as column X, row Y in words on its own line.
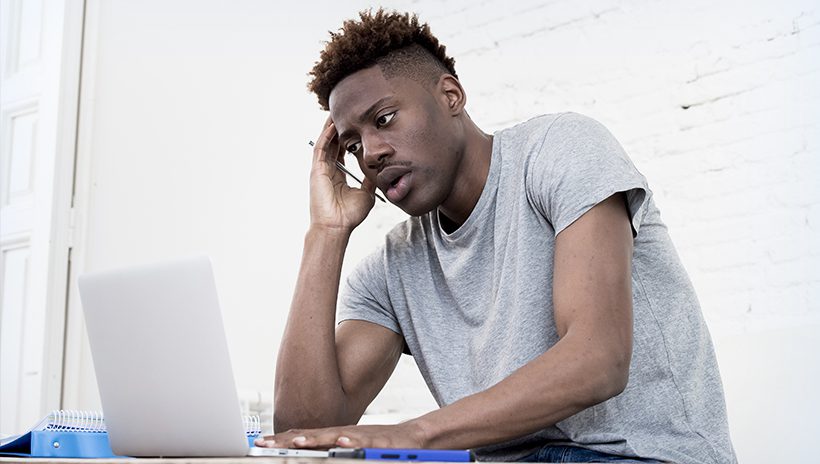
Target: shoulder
column 556, row 126
column 530, row 132
column 549, row 132
column 563, row 137
column 571, row 128
column 550, row 123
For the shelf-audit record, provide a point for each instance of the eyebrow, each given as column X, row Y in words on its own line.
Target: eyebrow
column 364, row 116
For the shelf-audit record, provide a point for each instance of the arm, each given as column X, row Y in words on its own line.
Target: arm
column 590, row 363
column 325, row 378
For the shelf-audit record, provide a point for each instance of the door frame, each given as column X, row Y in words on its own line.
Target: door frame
column 64, row 217
column 78, row 379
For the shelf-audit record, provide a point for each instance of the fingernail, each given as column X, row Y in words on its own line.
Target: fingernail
column 343, row 440
column 300, row 439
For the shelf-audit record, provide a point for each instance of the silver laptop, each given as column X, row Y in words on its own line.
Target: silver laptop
column 162, row 363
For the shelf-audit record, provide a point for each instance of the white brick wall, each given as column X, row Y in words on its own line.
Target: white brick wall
column 713, row 101
column 717, row 103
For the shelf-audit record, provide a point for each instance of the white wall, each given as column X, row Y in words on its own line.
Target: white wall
column 195, row 139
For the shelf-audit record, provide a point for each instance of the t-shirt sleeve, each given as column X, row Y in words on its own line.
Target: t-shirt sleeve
column 579, row 165
column 364, row 294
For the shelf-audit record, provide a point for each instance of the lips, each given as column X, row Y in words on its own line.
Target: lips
column 394, row 181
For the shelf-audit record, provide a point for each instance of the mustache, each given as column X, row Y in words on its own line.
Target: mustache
column 395, row 163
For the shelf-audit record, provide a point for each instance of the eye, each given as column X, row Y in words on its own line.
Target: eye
column 353, row 148
column 385, row 119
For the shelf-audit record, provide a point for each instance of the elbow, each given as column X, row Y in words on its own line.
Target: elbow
column 603, row 374
column 617, row 380
column 611, row 378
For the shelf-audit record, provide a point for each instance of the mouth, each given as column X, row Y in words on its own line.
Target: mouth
column 394, row 181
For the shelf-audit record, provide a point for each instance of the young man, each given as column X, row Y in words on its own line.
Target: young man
column 534, row 283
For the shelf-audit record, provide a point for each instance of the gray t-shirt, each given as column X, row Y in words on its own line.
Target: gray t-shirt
column 475, row 305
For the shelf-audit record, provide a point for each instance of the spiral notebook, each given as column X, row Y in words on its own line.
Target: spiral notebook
column 78, row 434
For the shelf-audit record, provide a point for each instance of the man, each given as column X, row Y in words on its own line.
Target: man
column 534, row 283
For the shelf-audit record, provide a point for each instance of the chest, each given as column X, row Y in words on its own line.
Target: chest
column 485, row 305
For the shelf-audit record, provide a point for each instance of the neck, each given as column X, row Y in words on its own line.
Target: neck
column 472, row 175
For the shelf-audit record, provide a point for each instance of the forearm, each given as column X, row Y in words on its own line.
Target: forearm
column 565, row 380
column 308, row 390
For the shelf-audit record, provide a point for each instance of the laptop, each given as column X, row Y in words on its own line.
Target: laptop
column 162, row 362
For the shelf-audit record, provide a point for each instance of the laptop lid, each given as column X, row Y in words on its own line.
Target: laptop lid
column 162, row 362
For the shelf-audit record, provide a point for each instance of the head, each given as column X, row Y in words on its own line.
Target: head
column 374, row 39
column 397, row 104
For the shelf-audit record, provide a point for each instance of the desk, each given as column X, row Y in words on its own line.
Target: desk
column 242, row 460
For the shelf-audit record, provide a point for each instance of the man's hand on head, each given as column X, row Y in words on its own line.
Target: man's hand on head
column 404, row 435
column 333, row 204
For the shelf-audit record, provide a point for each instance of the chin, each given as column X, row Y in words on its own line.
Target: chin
column 415, row 211
column 419, row 207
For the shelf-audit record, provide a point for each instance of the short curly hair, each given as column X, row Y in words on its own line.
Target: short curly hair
column 394, row 41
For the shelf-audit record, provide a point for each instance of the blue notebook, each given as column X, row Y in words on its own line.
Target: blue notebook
column 78, row 434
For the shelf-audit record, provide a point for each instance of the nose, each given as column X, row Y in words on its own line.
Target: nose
column 376, row 151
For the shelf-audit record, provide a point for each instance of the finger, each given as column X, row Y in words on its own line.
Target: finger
column 345, row 442
column 265, row 442
column 300, row 442
column 314, row 441
column 322, row 439
column 324, row 148
column 340, row 151
column 281, row 440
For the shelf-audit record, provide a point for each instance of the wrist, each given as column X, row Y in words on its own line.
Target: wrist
column 331, row 233
column 420, row 430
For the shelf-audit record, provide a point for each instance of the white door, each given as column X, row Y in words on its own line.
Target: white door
column 39, row 74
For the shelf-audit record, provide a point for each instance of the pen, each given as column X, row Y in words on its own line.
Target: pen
column 342, row 168
column 393, row 454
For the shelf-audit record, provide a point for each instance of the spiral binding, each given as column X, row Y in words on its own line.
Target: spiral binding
column 65, row 420
column 253, row 425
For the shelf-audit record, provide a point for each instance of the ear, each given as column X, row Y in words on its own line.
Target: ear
column 452, row 94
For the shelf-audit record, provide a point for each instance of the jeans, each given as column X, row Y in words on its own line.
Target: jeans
column 560, row 453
